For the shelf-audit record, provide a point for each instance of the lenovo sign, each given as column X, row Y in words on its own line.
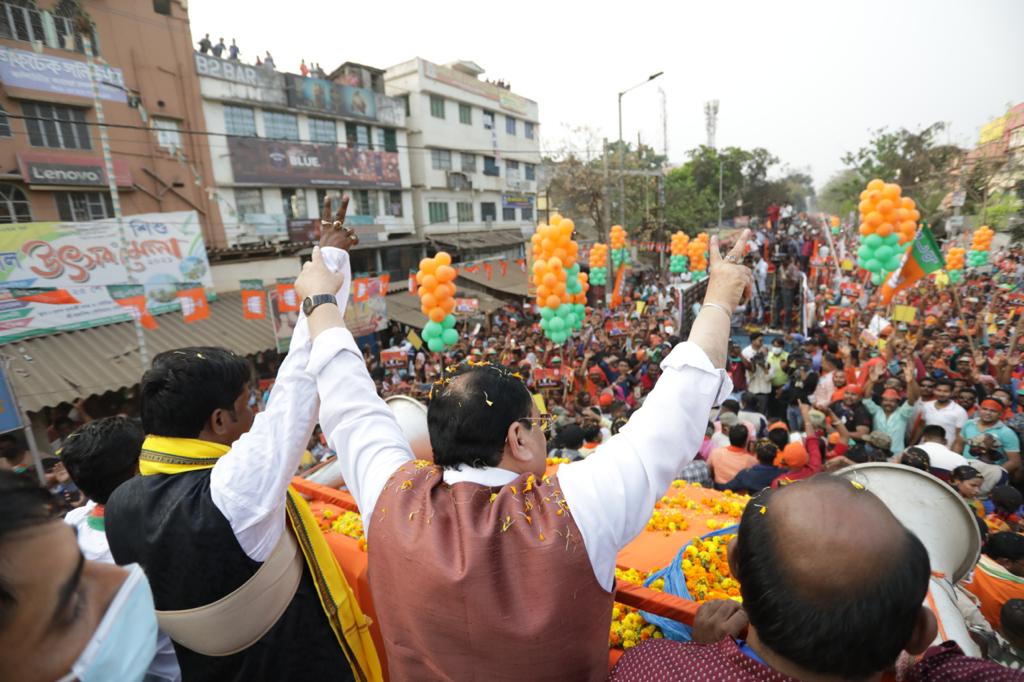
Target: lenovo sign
column 62, row 174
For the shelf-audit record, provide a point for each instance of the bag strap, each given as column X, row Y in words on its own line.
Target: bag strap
column 239, row 620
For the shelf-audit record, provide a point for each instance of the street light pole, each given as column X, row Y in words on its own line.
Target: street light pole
column 721, row 204
column 622, row 152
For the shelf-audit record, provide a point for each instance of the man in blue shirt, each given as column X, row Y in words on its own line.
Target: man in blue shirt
column 893, row 415
column 760, row 476
column 988, row 422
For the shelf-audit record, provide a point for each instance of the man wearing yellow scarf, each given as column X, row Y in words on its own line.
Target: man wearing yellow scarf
column 213, row 506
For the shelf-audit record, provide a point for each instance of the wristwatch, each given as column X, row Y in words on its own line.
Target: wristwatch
column 310, row 303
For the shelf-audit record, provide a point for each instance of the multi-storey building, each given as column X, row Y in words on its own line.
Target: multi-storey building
column 474, row 153
column 51, row 157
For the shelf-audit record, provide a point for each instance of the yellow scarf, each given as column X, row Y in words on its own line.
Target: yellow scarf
column 161, row 455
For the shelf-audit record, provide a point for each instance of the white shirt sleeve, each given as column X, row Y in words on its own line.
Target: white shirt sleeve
column 611, row 494
column 248, row 484
column 359, row 426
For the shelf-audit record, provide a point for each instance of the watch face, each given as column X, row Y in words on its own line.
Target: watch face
column 307, row 306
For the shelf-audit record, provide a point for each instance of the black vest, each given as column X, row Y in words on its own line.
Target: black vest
column 171, row 527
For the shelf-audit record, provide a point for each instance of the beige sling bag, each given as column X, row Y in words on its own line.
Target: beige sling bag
column 237, row 621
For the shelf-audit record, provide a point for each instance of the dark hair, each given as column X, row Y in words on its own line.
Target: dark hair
column 754, row 336
column 738, row 436
column 1005, row 545
column 591, row 432
column 185, row 386
column 23, row 504
column 945, row 382
column 1007, row 498
column 917, row 458
column 102, row 455
column 934, row 431
column 470, row 411
column 780, row 437
column 570, row 436
column 765, row 450
column 10, row 449
column 964, row 472
column 748, row 399
column 833, row 360
column 815, row 632
column 1011, row 617
column 729, row 406
column 618, row 424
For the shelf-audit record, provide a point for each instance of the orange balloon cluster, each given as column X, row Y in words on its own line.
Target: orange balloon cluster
column 555, row 253
column 955, row 258
column 598, row 256
column 884, row 212
column 436, row 279
column 618, row 237
column 680, row 242
column 982, row 240
column 697, row 250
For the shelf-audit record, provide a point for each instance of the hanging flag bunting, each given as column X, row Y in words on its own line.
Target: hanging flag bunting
column 489, row 270
column 287, row 298
column 521, row 262
column 361, row 290
column 48, row 295
column 193, row 303
column 133, row 297
column 504, row 268
column 472, row 269
column 620, row 283
column 385, row 282
column 922, row 258
column 254, row 299
column 412, row 282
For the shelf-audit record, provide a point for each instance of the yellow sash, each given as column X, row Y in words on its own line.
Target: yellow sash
column 161, row 455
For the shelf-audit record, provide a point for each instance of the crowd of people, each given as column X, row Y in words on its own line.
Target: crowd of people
column 193, row 558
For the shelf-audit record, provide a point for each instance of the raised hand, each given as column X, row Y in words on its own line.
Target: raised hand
column 730, row 283
column 316, row 278
column 333, row 231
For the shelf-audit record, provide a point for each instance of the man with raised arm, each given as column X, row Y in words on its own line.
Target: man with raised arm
column 482, row 567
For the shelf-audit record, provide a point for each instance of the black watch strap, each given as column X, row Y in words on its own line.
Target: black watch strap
column 311, row 303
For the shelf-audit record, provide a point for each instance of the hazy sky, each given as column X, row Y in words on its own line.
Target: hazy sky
column 807, row 80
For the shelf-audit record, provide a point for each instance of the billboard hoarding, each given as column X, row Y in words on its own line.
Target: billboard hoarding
column 59, row 76
column 297, row 164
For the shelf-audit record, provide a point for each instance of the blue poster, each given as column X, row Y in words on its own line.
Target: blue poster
column 10, row 418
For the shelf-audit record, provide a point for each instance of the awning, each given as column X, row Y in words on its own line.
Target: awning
column 49, row 370
column 514, row 281
column 482, row 239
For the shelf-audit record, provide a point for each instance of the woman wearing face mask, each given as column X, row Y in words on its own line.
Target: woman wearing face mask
column 62, row 617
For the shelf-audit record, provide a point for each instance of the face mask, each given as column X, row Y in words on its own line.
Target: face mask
column 124, row 643
column 776, row 350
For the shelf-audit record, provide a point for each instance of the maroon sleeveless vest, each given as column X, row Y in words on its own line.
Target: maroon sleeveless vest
column 476, row 582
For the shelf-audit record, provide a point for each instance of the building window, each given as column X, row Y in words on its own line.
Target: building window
column 508, row 214
column 83, row 206
column 51, row 125
column 511, row 169
column 168, row 133
column 21, row 20
column 438, row 211
column 488, row 211
column 468, row 163
column 408, row 107
column 465, row 114
column 14, row 206
column 248, row 202
column 294, row 201
column 510, row 125
column 323, row 130
column 357, row 136
column 281, row 126
column 394, row 207
column 364, row 202
column 239, row 121
column 5, row 124
column 531, row 171
column 491, row 166
column 526, row 212
column 390, row 140
column 528, row 130
column 465, row 211
column 488, row 119
column 440, row 159
column 437, row 106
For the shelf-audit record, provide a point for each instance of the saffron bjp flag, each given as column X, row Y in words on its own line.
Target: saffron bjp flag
column 287, row 298
column 921, row 259
column 193, row 303
column 48, row 295
column 133, row 297
column 254, row 299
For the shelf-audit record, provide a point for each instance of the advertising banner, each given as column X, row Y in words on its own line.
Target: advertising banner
column 323, row 95
column 295, row 164
column 50, row 168
column 394, row 357
column 367, row 310
column 26, row 69
column 517, row 200
column 10, row 418
column 164, row 250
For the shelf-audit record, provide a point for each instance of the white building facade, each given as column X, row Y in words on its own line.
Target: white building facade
column 281, row 143
column 474, row 155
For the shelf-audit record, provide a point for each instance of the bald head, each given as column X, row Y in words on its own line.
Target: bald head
column 831, row 580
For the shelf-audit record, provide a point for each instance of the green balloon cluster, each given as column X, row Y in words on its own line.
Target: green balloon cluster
column 619, row 256
column 977, row 258
column 836, row 230
column 698, row 275
column 678, row 264
column 955, row 276
column 559, row 323
column 599, row 276
column 880, row 255
column 440, row 336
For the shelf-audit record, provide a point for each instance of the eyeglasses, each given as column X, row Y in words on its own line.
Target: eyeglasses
column 544, row 420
